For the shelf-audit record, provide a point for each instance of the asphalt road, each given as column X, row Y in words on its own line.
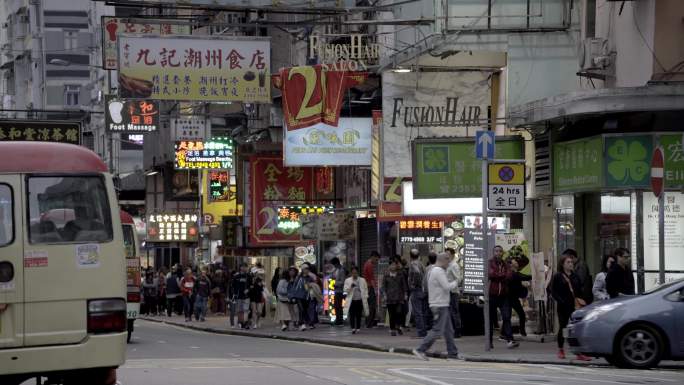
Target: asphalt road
column 164, row 355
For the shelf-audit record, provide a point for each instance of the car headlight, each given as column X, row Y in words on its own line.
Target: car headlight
column 598, row 310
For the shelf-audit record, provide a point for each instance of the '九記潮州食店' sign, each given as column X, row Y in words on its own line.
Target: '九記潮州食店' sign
column 40, row 131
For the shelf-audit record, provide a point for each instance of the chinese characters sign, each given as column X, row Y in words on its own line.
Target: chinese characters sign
column 190, row 128
column 420, row 231
column 449, row 169
column 289, row 216
column 216, row 153
column 219, row 186
column 578, row 165
column 40, row 131
column 192, row 69
column 112, row 26
column 131, row 115
column 172, row 227
column 324, row 145
column 313, row 95
column 273, row 186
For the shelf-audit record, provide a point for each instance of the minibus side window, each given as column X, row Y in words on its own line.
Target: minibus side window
column 68, row 209
column 6, row 215
column 129, row 241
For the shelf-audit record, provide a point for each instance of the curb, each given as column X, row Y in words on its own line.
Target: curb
column 384, row 349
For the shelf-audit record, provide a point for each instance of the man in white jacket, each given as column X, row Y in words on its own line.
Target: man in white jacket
column 439, row 290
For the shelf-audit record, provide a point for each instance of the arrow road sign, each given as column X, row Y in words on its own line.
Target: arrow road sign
column 484, row 144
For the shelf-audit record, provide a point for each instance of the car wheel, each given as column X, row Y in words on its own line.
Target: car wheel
column 640, row 346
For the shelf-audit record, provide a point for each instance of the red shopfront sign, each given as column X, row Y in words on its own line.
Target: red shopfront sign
column 274, row 186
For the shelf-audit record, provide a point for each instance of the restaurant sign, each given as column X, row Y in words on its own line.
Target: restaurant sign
column 217, row 153
column 131, row 115
column 172, row 227
column 40, row 131
column 195, row 69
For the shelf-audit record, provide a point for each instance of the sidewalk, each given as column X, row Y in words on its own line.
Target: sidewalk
column 531, row 350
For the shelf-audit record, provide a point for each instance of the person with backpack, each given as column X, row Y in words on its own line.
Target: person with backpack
column 417, row 295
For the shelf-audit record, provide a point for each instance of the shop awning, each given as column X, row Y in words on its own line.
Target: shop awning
column 584, row 104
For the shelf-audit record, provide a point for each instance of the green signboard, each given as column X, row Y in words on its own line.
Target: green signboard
column 578, row 165
column 628, row 160
column 444, row 168
column 674, row 160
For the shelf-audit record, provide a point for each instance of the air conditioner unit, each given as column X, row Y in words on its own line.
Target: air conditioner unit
column 594, row 54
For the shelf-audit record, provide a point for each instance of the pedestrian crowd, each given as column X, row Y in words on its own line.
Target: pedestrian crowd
column 425, row 295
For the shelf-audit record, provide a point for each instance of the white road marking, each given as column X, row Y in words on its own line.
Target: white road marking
column 534, row 375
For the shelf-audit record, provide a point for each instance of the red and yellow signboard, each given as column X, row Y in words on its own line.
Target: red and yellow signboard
column 273, row 186
column 313, row 95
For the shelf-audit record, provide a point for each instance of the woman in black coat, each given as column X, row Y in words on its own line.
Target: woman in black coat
column 564, row 285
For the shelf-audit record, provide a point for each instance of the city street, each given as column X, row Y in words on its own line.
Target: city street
column 164, row 354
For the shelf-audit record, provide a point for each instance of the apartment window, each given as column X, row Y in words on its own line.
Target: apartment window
column 70, row 39
column 71, row 94
column 590, row 18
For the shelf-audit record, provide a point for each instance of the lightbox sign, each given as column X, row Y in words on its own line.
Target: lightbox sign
column 131, row 115
column 217, row 153
column 219, row 186
column 420, row 231
column 288, row 216
column 172, row 227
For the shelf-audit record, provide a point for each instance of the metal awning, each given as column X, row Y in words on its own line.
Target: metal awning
column 584, row 104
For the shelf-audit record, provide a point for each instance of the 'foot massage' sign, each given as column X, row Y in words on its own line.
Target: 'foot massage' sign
column 131, row 115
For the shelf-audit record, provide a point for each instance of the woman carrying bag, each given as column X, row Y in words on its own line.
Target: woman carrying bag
column 564, row 285
column 356, row 305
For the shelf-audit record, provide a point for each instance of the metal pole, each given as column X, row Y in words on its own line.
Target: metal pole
column 661, row 238
column 485, row 256
column 200, row 187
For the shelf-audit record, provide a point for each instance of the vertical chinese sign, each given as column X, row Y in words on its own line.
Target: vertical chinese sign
column 273, row 186
column 195, row 69
column 113, row 26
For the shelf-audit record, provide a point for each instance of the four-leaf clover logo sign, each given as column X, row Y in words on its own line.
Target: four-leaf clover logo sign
column 436, row 159
column 628, row 161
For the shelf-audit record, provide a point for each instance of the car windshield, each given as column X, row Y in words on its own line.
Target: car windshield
column 663, row 287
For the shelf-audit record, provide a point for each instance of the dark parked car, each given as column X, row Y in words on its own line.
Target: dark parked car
column 632, row 331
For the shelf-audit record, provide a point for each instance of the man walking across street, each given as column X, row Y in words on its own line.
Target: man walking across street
column 620, row 279
column 499, row 277
column 240, row 289
column 371, row 279
column 417, row 296
column 340, row 276
column 454, row 274
column 439, row 289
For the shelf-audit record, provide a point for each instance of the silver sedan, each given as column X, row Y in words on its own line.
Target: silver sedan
column 632, row 331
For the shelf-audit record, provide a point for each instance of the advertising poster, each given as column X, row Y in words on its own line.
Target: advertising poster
column 444, row 104
column 113, row 26
column 338, row 226
column 40, row 131
column 347, row 144
column 674, row 231
column 131, row 115
column 272, row 186
column 195, row 69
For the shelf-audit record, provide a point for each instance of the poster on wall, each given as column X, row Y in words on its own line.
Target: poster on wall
column 445, row 104
column 337, row 226
column 195, row 68
column 274, row 186
column 674, row 231
column 347, row 144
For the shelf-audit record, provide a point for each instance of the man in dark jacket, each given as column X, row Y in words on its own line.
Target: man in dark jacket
column 583, row 274
column 240, row 289
column 339, row 275
column 418, row 300
column 620, row 279
column 499, row 276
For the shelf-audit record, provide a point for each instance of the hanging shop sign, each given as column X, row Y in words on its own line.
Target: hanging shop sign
column 347, row 144
column 273, row 186
column 131, row 115
column 418, row 231
column 376, row 174
column 627, row 159
column 673, row 146
column 195, row 69
column 444, row 104
column 172, row 227
column 190, row 128
column 578, row 165
column 217, row 153
column 291, row 217
column 447, row 168
column 312, row 94
column 113, row 26
column 219, row 186
column 353, row 52
column 230, row 232
column 40, row 131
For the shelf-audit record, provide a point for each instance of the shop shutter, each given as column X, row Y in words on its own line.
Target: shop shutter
column 367, row 238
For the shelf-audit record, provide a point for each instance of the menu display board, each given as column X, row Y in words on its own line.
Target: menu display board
column 475, row 261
